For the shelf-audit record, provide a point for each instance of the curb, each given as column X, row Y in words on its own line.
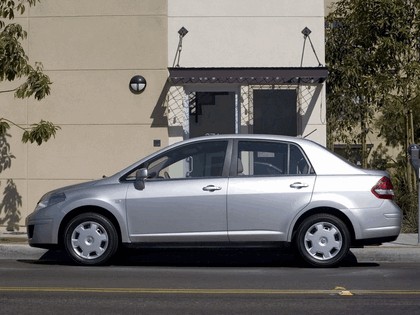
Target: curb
column 407, row 254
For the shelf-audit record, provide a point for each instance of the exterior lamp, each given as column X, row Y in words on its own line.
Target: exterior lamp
column 306, row 31
column 137, row 84
column 306, row 35
column 182, row 32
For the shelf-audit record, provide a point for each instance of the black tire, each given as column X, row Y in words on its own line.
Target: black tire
column 322, row 240
column 91, row 239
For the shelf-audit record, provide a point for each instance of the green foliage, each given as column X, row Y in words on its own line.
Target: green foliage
column 4, row 126
column 8, row 8
column 37, row 84
column 380, row 159
column 40, row 132
column 372, row 52
column 394, row 114
column 14, row 64
column 13, row 60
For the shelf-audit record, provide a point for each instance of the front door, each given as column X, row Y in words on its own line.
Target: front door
column 184, row 199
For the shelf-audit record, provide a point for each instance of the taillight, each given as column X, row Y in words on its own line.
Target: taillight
column 383, row 189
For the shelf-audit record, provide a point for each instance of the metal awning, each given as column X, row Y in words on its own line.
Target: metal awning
column 253, row 75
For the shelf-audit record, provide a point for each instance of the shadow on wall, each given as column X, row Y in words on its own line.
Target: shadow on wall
column 11, row 200
column 159, row 111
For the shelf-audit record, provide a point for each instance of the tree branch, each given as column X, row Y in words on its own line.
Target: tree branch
column 14, row 124
column 8, row 91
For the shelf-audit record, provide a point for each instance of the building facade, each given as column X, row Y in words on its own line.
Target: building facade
column 238, row 66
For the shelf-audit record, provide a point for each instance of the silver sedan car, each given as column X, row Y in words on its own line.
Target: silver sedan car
column 225, row 190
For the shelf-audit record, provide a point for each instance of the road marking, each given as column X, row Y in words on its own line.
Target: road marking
column 343, row 291
column 336, row 291
column 165, row 291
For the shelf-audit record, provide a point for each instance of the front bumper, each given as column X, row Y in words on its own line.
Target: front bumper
column 41, row 232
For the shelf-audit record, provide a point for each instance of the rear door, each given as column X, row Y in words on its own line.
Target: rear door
column 274, row 181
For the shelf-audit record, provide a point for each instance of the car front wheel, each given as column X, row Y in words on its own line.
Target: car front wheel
column 322, row 240
column 90, row 239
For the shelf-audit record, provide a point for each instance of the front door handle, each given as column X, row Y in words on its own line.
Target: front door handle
column 299, row 185
column 211, row 188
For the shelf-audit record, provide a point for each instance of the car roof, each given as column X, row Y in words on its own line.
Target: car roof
column 247, row 136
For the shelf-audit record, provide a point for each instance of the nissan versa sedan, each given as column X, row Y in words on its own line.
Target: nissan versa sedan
column 224, row 190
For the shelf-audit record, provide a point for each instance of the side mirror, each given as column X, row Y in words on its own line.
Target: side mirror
column 141, row 175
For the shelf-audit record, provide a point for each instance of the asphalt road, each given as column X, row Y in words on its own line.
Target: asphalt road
column 206, row 282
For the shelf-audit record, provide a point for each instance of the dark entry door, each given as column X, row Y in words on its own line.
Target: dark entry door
column 275, row 112
column 212, row 112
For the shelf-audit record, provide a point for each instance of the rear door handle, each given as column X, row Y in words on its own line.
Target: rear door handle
column 299, row 185
column 211, row 188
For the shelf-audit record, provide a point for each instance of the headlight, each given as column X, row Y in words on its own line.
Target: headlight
column 50, row 199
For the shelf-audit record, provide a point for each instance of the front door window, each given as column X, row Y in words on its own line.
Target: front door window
column 204, row 159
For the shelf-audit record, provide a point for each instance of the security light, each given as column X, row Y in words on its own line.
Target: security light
column 182, row 31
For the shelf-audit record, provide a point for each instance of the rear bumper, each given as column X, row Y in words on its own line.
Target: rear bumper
column 377, row 225
column 373, row 241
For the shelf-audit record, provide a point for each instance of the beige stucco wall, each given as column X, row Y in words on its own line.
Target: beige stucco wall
column 90, row 50
column 249, row 33
column 245, row 33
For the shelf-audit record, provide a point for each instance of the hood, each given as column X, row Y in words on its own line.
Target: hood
column 76, row 186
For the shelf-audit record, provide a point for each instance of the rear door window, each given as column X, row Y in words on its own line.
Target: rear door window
column 261, row 158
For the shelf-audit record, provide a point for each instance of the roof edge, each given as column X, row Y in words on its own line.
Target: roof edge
column 248, row 75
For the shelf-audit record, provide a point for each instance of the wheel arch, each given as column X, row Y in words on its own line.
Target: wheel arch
column 328, row 210
column 85, row 209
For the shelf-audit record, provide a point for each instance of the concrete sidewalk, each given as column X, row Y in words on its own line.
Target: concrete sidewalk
column 405, row 249
column 14, row 245
column 12, row 237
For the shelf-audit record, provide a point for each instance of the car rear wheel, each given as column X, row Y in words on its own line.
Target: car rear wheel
column 322, row 240
column 91, row 239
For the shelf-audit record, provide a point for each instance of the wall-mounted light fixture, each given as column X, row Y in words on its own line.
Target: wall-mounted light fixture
column 137, row 84
column 182, row 32
column 306, row 35
column 306, row 32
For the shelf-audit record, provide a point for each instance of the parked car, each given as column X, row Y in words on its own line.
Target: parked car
column 224, row 190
